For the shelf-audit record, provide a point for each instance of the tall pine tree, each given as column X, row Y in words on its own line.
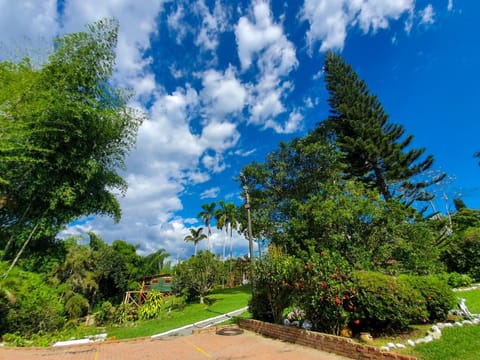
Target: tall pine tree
column 375, row 149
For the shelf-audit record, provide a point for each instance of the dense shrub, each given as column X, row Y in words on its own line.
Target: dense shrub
column 106, row 313
column 385, row 305
column 125, row 313
column 456, row 280
column 76, row 306
column 463, row 256
column 437, row 294
column 275, row 277
column 259, row 305
column 326, row 292
column 31, row 305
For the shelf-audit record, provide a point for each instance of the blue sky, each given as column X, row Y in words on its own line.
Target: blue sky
column 223, row 82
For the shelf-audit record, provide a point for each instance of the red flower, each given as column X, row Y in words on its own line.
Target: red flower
column 357, row 322
column 338, row 301
column 323, row 284
column 350, row 307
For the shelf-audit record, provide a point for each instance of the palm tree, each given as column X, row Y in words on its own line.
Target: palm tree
column 195, row 236
column 221, row 215
column 232, row 222
column 206, row 215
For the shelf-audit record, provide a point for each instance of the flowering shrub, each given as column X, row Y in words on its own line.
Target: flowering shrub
column 327, row 292
column 384, row 304
column 437, row 295
column 275, row 278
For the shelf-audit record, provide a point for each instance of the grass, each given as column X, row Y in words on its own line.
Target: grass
column 473, row 300
column 455, row 343
column 218, row 302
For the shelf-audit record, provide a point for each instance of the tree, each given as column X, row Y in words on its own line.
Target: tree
column 221, row 215
column 293, row 173
column 78, row 126
column 198, row 275
column 207, row 214
column 375, row 149
column 154, row 263
column 195, row 236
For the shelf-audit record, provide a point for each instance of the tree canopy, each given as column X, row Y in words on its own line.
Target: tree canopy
column 73, row 129
column 377, row 151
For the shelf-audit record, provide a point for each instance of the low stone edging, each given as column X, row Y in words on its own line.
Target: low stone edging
column 320, row 341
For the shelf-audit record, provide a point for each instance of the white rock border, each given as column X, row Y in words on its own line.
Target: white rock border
column 435, row 331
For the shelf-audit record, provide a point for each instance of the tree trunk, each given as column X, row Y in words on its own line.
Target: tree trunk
column 22, row 249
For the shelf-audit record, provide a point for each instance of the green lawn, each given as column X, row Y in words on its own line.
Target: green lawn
column 219, row 302
column 455, row 343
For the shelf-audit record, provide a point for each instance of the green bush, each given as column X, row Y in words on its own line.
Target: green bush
column 76, row 306
column 259, row 305
column 463, row 256
column 152, row 306
column 437, row 294
column 125, row 313
column 106, row 313
column 326, row 292
column 456, row 280
column 274, row 281
column 31, row 306
column 385, row 305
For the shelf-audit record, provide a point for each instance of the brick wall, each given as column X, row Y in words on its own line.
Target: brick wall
column 329, row 343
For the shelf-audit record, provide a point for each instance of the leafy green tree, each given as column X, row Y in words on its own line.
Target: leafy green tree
column 376, row 150
column 291, row 174
column 16, row 121
column 198, row 275
column 79, row 128
column 207, row 214
column 195, row 236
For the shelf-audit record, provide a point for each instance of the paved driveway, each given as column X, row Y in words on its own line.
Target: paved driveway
column 209, row 345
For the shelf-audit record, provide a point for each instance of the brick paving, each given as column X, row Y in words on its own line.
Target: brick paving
column 203, row 346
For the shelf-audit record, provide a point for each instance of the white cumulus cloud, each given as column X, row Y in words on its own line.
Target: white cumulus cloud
column 330, row 20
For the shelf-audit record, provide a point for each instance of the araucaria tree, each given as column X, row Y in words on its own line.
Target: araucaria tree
column 78, row 126
column 375, row 149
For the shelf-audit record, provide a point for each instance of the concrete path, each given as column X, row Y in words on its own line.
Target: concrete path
column 208, row 345
column 188, row 329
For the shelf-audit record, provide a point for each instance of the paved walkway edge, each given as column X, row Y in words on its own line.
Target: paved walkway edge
column 203, row 323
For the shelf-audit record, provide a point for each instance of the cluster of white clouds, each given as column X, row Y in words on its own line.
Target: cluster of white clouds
column 171, row 155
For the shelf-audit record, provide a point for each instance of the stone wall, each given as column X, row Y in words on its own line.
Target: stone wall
column 329, row 343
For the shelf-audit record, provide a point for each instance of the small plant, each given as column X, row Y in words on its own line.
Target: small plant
column 152, row 306
column 125, row 313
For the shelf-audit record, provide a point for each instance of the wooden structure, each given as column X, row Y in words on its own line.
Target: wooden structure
column 161, row 282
